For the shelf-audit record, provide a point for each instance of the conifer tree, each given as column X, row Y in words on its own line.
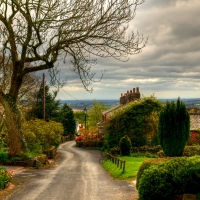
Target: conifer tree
column 51, row 106
column 174, row 128
column 67, row 120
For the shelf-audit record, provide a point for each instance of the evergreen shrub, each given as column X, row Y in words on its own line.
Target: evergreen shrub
column 3, row 156
column 174, row 177
column 174, row 128
column 125, row 146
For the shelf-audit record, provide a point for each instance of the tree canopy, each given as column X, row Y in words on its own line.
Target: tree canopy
column 95, row 113
column 51, row 105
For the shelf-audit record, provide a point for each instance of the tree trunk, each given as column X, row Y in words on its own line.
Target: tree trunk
column 16, row 141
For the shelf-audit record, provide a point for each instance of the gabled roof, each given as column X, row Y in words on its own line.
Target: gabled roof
column 194, row 122
column 106, row 112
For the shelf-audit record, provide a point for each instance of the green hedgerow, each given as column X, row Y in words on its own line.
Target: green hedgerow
column 174, row 177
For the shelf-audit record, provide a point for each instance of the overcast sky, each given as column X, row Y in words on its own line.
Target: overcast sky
column 169, row 66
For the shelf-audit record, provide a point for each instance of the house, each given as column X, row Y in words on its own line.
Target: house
column 125, row 98
column 194, row 127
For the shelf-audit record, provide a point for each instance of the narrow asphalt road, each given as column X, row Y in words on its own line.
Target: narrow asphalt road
column 77, row 175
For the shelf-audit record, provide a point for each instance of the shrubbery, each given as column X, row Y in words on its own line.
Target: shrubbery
column 145, row 165
column 5, row 177
column 125, row 146
column 176, row 176
column 41, row 135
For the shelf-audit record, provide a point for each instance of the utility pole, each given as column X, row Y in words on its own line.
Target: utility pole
column 43, row 96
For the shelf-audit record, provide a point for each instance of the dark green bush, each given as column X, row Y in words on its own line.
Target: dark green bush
column 174, row 128
column 176, row 176
column 3, row 156
column 125, row 146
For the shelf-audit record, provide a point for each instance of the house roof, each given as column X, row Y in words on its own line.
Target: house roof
column 194, row 122
column 106, row 112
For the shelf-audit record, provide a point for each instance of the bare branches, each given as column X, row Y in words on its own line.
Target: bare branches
column 41, row 32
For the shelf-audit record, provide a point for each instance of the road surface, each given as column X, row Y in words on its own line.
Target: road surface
column 77, row 175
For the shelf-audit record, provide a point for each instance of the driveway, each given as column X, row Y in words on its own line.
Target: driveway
column 77, row 175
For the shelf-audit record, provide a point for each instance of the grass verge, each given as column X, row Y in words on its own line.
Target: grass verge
column 132, row 166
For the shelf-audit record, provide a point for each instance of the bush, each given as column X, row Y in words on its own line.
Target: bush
column 191, row 150
column 174, row 177
column 145, row 165
column 146, row 149
column 3, row 156
column 174, row 128
column 41, row 134
column 125, row 146
column 5, row 177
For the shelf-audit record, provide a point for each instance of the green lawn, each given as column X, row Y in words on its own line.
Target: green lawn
column 132, row 166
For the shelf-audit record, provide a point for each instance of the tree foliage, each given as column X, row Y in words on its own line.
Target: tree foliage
column 52, row 106
column 41, row 135
column 66, row 117
column 95, row 113
column 132, row 120
column 174, row 128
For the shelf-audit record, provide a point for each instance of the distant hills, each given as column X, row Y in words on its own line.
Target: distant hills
column 81, row 104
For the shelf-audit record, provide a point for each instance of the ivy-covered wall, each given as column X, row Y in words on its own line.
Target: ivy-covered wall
column 138, row 120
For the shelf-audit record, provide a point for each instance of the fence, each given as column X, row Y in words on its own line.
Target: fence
column 120, row 163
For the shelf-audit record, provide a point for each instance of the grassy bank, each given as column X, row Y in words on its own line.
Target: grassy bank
column 132, row 166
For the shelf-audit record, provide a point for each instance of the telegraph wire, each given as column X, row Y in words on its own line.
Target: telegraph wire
column 66, row 92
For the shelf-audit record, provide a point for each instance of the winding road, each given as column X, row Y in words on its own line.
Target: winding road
column 76, row 175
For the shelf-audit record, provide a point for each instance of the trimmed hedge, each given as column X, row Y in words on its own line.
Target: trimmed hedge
column 164, row 180
column 143, row 149
column 146, row 164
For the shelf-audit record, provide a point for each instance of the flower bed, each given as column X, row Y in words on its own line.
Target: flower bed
column 5, row 177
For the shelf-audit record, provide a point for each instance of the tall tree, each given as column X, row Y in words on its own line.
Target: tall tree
column 41, row 33
column 67, row 119
column 95, row 113
column 51, row 105
column 174, row 128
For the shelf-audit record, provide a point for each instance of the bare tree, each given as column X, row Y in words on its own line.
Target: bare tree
column 41, row 32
